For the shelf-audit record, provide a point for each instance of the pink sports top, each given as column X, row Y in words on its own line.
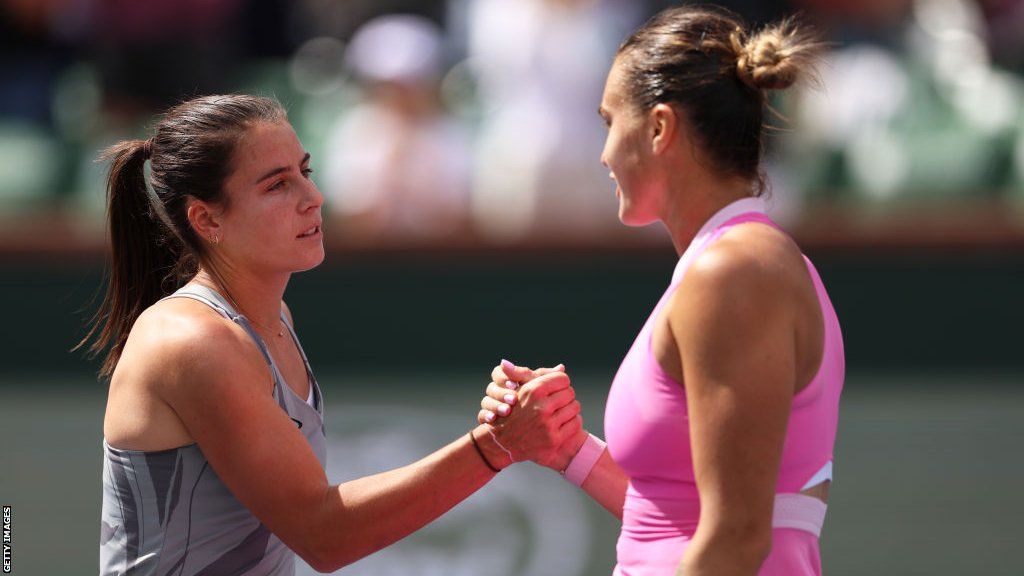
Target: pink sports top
column 647, row 424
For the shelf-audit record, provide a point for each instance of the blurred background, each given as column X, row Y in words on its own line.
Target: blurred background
column 468, row 219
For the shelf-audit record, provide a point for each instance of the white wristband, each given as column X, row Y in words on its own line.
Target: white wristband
column 581, row 465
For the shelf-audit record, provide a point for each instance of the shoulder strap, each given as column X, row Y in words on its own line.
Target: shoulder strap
column 305, row 359
column 701, row 243
column 759, row 217
column 215, row 300
column 207, row 296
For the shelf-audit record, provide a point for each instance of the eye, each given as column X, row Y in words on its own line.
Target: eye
column 306, row 172
column 277, row 185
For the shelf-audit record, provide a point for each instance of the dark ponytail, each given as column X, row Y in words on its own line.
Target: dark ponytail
column 154, row 249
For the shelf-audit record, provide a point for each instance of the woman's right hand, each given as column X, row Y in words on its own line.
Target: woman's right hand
column 547, row 412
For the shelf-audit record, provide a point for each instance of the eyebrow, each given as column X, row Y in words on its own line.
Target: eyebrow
column 281, row 169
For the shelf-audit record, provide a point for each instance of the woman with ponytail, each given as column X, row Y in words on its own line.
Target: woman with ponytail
column 722, row 417
column 214, row 445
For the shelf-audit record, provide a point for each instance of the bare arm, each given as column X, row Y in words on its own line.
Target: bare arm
column 732, row 322
column 219, row 385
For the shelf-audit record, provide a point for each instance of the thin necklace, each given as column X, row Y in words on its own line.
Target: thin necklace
column 280, row 333
column 226, row 294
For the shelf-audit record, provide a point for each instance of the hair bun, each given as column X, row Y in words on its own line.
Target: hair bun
column 775, row 57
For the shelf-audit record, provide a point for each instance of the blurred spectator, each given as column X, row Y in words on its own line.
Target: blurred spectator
column 541, row 67
column 35, row 49
column 32, row 56
column 342, row 19
column 922, row 100
column 153, row 54
column 1005, row 21
column 916, row 110
column 396, row 165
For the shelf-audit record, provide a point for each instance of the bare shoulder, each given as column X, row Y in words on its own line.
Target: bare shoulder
column 754, row 261
column 752, row 272
column 179, row 352
column 183, row 340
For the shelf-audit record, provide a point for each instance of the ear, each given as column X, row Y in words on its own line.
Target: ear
column 205, row 220
column 664, row 123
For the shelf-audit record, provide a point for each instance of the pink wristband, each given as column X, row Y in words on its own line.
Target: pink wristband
column 581, row 465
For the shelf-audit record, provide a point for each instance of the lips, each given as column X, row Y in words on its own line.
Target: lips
column 312, row 231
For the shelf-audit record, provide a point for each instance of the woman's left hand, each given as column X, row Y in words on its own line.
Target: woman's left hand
column 500, row 395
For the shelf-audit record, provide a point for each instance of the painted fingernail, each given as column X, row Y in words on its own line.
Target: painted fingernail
column 507, row 365
column 510, row 398
column 489, row 416
column 503, row 409
column 511, row 385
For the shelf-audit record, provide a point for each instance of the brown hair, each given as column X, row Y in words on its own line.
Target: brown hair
column 703, row 60
column 154, row 249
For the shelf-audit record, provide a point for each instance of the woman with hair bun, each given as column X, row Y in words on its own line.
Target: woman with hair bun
column 213, row 438
column 722, row 418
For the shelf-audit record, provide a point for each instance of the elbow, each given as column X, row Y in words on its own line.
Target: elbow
column 318, row 558
column 325, row 567
column 325, row 560
column 327, row 555
column 323, row 547
column 744, row 544
column 755, row 545
column 320, row 566
column 753, row 541
column 761, row 546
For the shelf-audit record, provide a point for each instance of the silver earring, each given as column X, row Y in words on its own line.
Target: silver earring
column 215, row 239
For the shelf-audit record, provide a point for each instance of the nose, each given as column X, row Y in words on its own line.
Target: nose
column 313, row 197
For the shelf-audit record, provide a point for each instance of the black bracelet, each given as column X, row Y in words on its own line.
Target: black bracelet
column 481, row 452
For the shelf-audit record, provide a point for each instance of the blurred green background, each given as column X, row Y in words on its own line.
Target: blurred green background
column 491, row 233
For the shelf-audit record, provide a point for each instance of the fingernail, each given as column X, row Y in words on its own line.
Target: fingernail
column 489, row 416
column 503, row 409
column 510, row 398
column 507, row 365
column 511, row 385
column 560, row 367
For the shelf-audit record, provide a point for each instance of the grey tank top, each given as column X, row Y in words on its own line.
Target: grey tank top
column 167, row 513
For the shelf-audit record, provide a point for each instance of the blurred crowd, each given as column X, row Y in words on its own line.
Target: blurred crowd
column 433, row 120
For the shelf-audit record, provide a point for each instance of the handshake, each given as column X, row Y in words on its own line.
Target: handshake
column 529, row 415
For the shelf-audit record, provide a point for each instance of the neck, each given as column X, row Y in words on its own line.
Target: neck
column 689, row 206
column 256, row 297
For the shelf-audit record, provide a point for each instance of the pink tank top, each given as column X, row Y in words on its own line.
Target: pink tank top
column 647, row 424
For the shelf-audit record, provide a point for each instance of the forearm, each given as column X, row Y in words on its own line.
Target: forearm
column 607, row 484
column 725, row 551
column 370, row 513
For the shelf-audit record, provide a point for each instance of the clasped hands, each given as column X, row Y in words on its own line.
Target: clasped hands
column 531, row 415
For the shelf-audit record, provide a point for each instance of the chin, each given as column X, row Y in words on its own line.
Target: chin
column 634, row 218
column 312, row 261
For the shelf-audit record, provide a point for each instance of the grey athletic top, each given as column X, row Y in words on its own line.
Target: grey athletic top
column 167, row 513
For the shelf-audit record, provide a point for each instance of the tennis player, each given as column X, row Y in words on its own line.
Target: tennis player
column 214, row 444
column 722, row 417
